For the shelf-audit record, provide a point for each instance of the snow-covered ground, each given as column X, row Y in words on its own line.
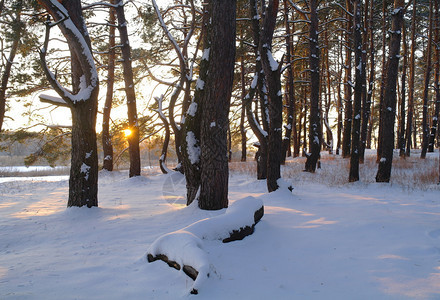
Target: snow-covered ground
column 351, row 241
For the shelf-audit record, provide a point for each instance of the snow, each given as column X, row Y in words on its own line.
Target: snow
column 205, row 55
column 51, row 98
column 192, row 109
column 273, row 63
column 193, row 149
column 200, row 84
column 85, row 170
column 321, row 241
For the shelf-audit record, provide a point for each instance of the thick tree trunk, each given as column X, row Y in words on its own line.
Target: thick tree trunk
column 133, row 138
column 216, row 102
column 359, row 80
column 425, row 126
column 107, row 146
column 83, row 100
column 389, row 112
column 83, row 181
column 315, row 132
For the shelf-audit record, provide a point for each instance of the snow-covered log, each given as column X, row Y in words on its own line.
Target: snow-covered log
column 183, row 249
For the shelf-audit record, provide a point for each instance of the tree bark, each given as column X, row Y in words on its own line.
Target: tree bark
column 243, row 111
column 83, row 100
column 315, row 132
column 17, row 27
column 216, row 102
column 359, row 81
column 348, row 112
column 133, row 138
column 409, row 123
column 401, row 136
column 107, row 146
column 428, row 69
column 389, row 112
column 435, row 116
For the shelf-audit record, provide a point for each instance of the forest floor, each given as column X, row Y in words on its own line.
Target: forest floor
column 327, row 239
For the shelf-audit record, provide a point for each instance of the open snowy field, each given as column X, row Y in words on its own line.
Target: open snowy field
column 323, row 240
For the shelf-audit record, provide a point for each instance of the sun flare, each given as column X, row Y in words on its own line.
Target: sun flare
column 127, row 132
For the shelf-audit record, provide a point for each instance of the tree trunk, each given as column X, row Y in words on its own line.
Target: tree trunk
column 359, row 80
column 383, row 80
column 272, row 72
column 409, row 123
column 315, row 122
column 401, row 136
column 83, row 100
column 17, row 27
column 243, row 111
column 389, row 113
column 216, row 102
column 107, row 146
column 291, row 123
column 425, row 126
column 367, row 95
column 346, row 139
column 133, row 138
column 436, row 84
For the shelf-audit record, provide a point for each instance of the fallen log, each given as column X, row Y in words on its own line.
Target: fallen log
column 185, row 247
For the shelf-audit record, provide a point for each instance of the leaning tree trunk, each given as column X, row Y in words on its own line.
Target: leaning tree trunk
column 133, row 138
column 216, row 102
column 107, row 146
column 359, row 80
column 425, row 130
column 315, row 123
column 389, row 112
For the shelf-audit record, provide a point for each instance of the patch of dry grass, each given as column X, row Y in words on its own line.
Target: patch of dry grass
column 410, row 173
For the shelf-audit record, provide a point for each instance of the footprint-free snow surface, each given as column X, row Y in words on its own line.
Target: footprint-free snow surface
column 357, row 241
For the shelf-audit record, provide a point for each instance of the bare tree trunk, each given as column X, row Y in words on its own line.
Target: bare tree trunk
column 346, row 139
column 216, row 102
column 17, row 28
column 409, row 123
column 133, row 138
column 401, row 137
column 425, row 126
column 243, row 111
column 389, row 112
column 367, row 95
column 315, row 131
column 359, row 80
column 291, row 123
column 107, row 146
column 272, row 72
column 436, row 83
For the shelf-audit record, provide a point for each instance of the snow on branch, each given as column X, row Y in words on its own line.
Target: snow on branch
column 168, row 33
column 52, row 100
column 183, row 249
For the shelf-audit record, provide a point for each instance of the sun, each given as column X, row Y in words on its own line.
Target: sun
column 127, row 132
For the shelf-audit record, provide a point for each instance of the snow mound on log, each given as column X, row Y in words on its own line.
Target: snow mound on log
column 184, row 248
